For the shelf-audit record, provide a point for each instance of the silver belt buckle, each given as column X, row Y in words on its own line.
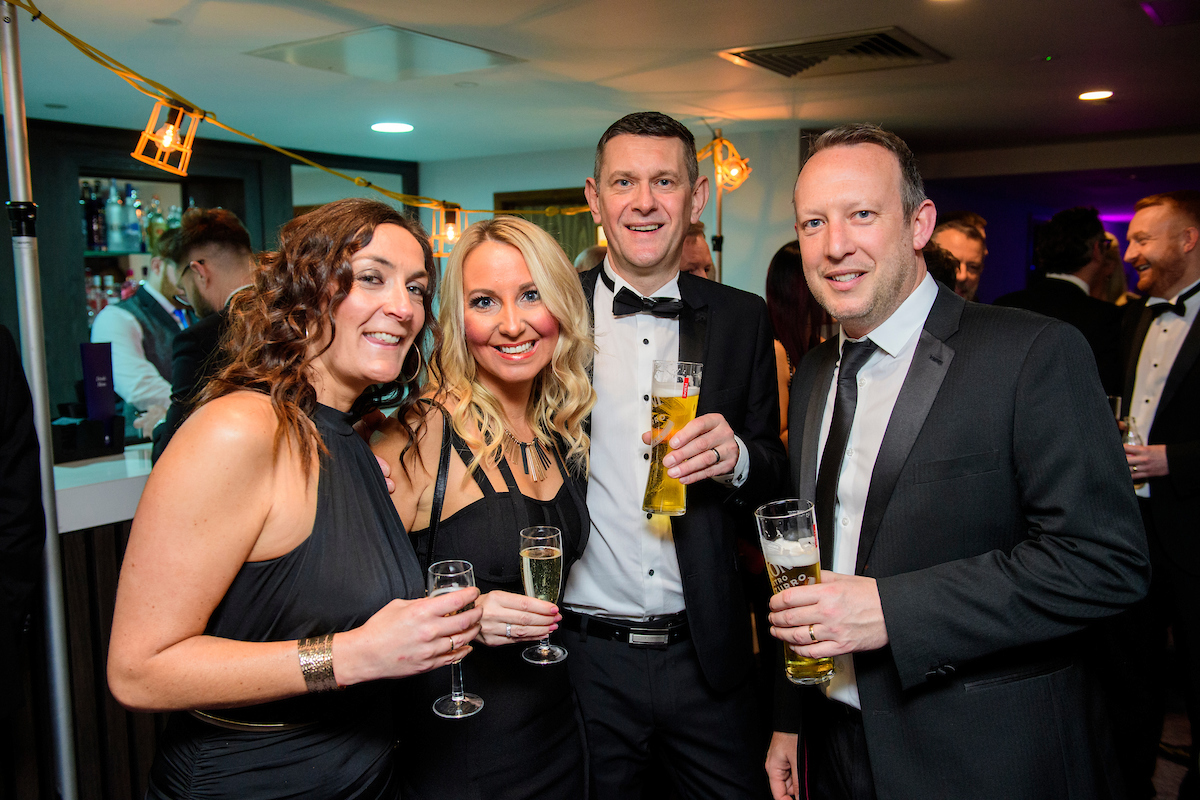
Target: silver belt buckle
column 644, row 638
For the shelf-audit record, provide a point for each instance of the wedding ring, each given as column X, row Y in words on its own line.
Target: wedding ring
column 717, row 454
column 453, row 644
column 812, row 635
column 1133, row 469
column 508, row 629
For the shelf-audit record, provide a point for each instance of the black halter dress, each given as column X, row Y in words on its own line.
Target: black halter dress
column 336, row 745
column 527, row 741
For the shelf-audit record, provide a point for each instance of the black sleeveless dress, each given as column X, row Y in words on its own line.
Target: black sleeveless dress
column 335, row 745
column 526, row 742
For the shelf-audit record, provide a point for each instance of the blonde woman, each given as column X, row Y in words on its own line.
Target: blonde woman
column 511, row 393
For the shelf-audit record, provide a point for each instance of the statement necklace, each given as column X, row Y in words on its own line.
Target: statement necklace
column 537, row 461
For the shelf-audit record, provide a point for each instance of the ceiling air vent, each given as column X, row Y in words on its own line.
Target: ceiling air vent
column 860, row 51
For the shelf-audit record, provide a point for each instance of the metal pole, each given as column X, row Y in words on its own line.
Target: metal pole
column 23, row 216
column 718, row 239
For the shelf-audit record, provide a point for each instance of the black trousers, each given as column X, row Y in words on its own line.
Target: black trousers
column 641, row 701
column 837, row 749
column 1134, row 646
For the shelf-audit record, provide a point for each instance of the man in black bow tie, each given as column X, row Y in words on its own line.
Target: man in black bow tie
column 1161, row 346
column 653, row 614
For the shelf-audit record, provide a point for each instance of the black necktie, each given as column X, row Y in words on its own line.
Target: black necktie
column 854, row 355
column 1178, row 307
column 627, row 302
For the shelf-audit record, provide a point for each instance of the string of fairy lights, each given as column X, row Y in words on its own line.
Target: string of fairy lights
column 166, row 143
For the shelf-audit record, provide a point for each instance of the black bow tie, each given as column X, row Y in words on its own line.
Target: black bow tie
column 627, row 302
column 1178, row 307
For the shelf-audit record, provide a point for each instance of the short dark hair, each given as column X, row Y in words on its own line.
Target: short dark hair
column 912, row 189
column 651, row 123
column 969, row 217
column 1185, row 201
column 1065, row 244
column 695, row 229
column 201, row 226
column 966, row 229
column 941, row 264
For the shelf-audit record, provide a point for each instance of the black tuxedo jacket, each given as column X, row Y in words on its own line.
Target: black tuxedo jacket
column 727, row 330
column 195, row 360
column 1098, row 321
column 999, row 522
column 22, row 522
column 1174, row 498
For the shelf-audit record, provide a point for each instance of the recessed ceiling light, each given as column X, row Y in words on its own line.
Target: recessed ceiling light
column 165, row 21
column 466, row 84
column 392, row 127
column 1100, row 95
column 56, row 106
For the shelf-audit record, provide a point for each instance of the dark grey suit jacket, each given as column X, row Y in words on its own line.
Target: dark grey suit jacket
column 727, row 330
column 1000, row 521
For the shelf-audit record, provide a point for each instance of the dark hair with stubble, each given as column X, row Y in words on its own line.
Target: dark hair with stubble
column 912, row 189
column 651, row 123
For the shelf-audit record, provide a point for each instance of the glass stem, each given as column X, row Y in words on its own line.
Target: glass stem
column 544, row 644
column 456, row 683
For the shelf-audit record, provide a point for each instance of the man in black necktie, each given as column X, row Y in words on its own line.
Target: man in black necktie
column 653, row 613
column 1161, row 346
column 974, row 516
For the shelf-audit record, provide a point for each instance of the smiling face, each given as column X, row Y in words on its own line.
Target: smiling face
column 645, row 203
column 378, row 319
column 860, row 251
column 510, row 332
column 1158, row 243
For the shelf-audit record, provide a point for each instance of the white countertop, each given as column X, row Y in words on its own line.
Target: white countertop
column 100, row 491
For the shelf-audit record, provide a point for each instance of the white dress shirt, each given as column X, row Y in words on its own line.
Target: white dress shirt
column 1080, row 282
column 879, row 384
column 135, row 379
column 1163, row 340
column 629, row 569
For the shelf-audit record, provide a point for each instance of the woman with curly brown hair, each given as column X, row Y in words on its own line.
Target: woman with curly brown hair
column 266, row 565
column 511, row 396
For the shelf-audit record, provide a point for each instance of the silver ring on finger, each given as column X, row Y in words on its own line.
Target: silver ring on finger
column 716, row 453
column 508, row 630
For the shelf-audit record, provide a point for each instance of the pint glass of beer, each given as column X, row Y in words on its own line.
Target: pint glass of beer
column 787, row 530
column 674, row 393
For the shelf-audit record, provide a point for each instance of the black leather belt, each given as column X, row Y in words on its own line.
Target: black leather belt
column 653, row 632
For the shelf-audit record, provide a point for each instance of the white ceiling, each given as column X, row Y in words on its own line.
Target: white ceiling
column 587, row 62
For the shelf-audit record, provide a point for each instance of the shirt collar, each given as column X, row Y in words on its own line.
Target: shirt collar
column 1062, row 276
column 1156, row 300
column 669, row 289
column 898, row 330
column 157, row 295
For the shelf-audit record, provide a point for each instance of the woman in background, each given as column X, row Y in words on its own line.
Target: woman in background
column 799, row 322
column 511, row 393
column 266, row 563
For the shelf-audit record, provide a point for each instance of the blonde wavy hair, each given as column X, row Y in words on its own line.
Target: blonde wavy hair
column 562, row 395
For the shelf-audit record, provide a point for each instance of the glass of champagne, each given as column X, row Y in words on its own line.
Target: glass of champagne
column 443, row 577
column 674, row 393
column 541, row 574
column 787, row 531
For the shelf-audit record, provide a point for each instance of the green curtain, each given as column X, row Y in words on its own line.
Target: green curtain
column 574, row 233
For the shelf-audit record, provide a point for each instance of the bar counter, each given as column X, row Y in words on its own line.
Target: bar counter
column 100, row 491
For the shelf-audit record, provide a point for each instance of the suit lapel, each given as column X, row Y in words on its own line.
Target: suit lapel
column 693, row 325
column 810, row 455
column 588, row 280
column 1188, row 352
column 930, row 363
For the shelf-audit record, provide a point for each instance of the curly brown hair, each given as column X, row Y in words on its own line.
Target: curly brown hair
column 297, row 290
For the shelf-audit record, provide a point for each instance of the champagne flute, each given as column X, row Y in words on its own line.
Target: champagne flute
column 443, row 577
column 541, row 574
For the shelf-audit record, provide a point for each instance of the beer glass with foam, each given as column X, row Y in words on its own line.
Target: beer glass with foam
column 787, row 531
column 674, row 392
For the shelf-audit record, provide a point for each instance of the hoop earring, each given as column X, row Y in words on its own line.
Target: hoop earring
column 420, row 366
